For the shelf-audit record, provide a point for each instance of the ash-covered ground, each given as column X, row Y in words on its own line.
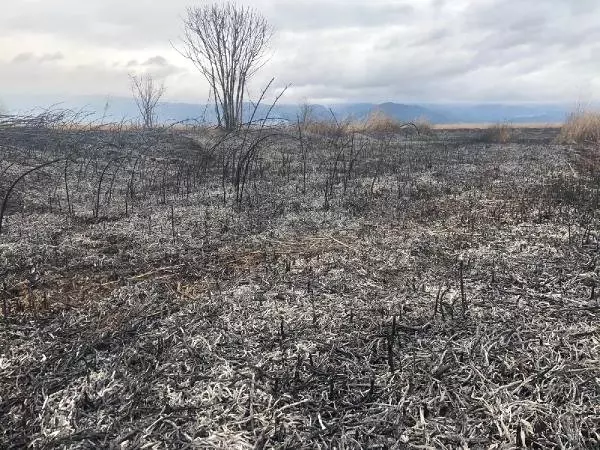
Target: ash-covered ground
column 280, row 289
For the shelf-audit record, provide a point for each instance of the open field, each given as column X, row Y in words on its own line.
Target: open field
column 280, row 289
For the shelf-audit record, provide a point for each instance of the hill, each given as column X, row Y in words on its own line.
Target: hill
column 117, row 108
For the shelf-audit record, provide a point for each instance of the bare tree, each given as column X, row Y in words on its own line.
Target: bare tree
column 147, row 92
column 227, row 43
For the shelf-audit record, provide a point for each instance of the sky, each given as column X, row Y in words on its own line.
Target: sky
column 328, row 51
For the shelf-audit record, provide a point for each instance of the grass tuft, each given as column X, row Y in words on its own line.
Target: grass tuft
column 581, row 127
column 425, row 126
column 379, row 122
column 327, row 128
column 499, row 133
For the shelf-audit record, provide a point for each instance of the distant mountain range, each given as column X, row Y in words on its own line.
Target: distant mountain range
column 117, row 108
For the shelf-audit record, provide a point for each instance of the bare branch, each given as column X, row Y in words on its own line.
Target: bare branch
column 147, row 93
column 227, row 43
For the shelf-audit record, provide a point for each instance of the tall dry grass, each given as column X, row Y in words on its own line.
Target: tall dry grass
column 425, row 126
column 328, row 128
column 581, row 127
column 499, row 133
column 377, row 122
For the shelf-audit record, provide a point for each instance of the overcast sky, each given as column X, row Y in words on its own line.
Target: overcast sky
column 328, row 50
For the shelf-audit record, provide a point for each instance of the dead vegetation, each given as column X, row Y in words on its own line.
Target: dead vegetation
column 581, row 127
column 499, row 133
column 326, row 128
column 377, row 123
column 362, row 291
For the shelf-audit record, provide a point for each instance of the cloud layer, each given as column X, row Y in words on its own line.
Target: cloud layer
column 328, row 50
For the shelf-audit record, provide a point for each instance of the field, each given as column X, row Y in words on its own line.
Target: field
column 280, row 288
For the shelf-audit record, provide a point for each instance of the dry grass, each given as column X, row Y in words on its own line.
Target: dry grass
column 481, row 126
column 377, row 122
column 328, row 128
column 499, row 133
column 581, row 127
column 380, row 122
column 425, row 126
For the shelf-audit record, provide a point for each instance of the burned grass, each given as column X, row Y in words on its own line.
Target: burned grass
column 446, row 299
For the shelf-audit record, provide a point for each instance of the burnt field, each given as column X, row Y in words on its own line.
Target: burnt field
column 283, row 288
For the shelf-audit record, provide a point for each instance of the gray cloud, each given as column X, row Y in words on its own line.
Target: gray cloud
column 26, row 57
column 318, row 14
column 396, row 50
column 23, row 57
column 429, row 38
column 157, row 65
column 49, row 57
column 145, row 22
column 158, row 60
